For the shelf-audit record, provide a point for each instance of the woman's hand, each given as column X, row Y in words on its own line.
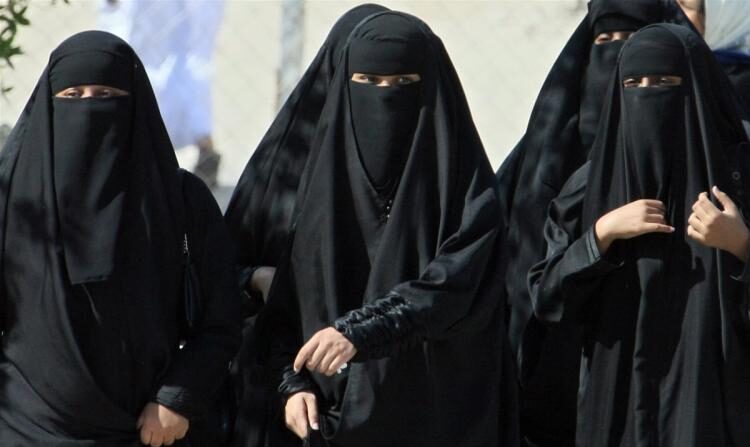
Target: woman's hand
column 714, row 228
column 161, row 426
column 301, row 413
column 326, row 352
column 629, row 221
column 261, row 280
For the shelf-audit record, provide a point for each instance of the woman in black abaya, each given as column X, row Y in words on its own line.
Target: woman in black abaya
column 650, row 266
column 92, row 221
column 394, row 231
column 259, row 214
column 559, row 135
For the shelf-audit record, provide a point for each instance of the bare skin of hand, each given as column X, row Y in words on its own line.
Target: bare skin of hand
column 262, row 279
column 629, row 221
column 161, row 426
column 715, row 228
column 301, row 413
column 326, row 352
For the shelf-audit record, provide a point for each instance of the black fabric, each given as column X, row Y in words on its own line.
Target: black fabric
column 616, row 22
column 79, row 65
column 739, row 74
column 557, row 141
column 91, row 140
column 259, row 213
column 85, row 347
column 667, row 342
column 384, row 120
column 430, row 245
column 259, row 217
column 595, row 80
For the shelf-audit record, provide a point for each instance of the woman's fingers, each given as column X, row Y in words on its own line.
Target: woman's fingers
column 305, row 353
column 312, row 411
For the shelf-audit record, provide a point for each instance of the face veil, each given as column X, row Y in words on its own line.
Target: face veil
column 90, row 156
column 91, row 207
column 664, row 316
column 421, row 248
column 384, row 118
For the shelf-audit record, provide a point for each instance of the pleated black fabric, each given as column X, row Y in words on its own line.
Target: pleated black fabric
column 91, row 220
column 666, row 355
column 259, row 218
column 398, row 272
column 557, row 141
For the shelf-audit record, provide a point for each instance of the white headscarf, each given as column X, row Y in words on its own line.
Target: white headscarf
column 728, row 25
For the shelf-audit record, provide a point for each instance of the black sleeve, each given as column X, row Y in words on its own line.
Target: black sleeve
column 562, row 283
column 197, row 371
column 444, row 299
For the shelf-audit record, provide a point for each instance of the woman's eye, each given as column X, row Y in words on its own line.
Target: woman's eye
column 104, row 93
column 403, row 80
column 629, row 83
column 72, row 94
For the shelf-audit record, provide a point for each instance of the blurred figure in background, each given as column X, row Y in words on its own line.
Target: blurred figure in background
column 725, row 25
column 176, row 41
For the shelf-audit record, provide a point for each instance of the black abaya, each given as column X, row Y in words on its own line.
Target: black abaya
column 667, row 343
column 398, row 269
column 560, row 132
column 260, row 212
column 92, row 218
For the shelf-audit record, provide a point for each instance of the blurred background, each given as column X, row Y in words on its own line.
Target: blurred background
column 502, row 50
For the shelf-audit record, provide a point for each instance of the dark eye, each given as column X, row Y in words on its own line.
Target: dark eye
column 403, row 80
column 71, row 93
column 104, row 93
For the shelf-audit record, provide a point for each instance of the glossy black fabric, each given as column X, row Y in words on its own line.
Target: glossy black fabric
column 82, row 355
column 399, row 275
column 260, row 212
column 556, row 143
column 667, row 331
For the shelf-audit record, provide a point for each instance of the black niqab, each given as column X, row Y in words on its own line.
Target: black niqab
column 91, row 227
column 384, row 118
column 91, row 139
column 666, row 342
column 416, row 258
column 561, row 129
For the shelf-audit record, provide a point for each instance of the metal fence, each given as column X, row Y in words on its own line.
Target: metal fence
column 502, row 50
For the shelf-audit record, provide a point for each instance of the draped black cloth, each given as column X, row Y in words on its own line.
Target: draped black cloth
column 559, row 135
column 259, row 215
column 737, row 67
column 91, row 226
column 397, row 270
column 666, row 357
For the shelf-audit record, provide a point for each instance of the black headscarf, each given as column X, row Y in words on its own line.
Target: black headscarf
column 398, row 272
column 90, row 209
column 561, row 129
column 667, row 344
column 259, row 213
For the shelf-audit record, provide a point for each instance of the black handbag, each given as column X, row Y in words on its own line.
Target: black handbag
column 216, row 427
